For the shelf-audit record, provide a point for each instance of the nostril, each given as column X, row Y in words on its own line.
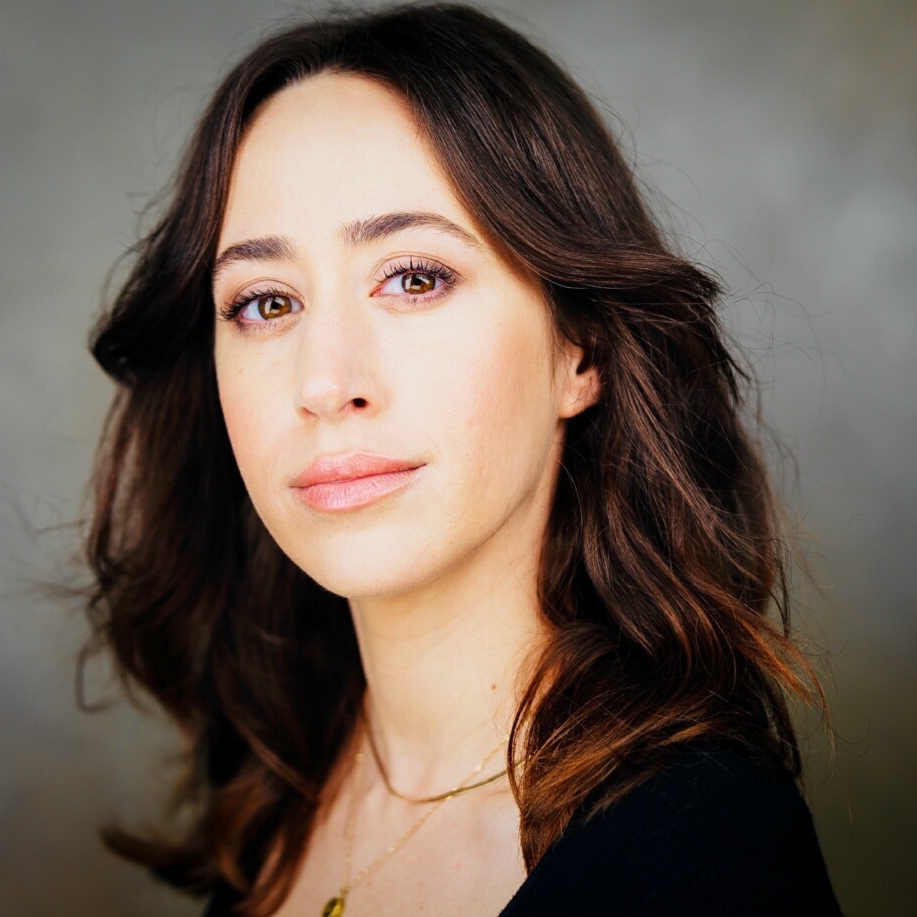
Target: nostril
column 359, row 402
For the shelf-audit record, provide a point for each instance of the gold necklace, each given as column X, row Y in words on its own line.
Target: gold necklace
column 335, row 904
column 455, row 791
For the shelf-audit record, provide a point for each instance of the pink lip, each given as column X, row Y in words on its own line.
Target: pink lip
column 336, row 483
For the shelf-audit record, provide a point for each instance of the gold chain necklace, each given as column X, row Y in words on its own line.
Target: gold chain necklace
column 455, row 791
column 335, row 905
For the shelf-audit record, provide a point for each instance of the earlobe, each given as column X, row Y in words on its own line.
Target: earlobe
column 583, row 387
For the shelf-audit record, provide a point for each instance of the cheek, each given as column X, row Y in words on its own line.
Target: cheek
column 248, row 418
column 508, row 400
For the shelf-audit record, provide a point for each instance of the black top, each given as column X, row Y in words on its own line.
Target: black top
column 712, row 835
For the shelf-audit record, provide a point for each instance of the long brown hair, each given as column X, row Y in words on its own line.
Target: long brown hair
column 662, row 559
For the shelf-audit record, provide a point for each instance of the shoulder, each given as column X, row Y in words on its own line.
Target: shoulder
column 711, row 834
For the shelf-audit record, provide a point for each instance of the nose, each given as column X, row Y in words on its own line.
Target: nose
column 336, row 371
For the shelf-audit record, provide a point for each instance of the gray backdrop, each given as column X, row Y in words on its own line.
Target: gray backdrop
column 782, row 135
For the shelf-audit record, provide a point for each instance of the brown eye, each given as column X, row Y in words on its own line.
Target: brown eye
column 274, row 306
column 417, row 283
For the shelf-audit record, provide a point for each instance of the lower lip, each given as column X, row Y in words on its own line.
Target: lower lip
column 340, row 496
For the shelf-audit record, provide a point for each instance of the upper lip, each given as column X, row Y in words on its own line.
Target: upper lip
column 330, row 468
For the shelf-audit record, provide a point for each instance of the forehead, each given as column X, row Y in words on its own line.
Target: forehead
column 332, row 148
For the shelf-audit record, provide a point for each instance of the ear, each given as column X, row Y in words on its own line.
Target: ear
column 581, row 385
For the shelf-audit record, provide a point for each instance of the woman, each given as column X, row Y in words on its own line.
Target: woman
column 427, row 511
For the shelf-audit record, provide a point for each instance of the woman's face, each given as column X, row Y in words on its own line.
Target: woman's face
column 392, row 388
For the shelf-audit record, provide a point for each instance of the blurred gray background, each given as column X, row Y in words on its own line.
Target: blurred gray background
column 783, row 138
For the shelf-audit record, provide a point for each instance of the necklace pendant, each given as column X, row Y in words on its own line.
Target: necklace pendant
column 334, row 907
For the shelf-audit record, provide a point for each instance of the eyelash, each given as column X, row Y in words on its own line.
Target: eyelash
column 232, row 310
column 434, row 268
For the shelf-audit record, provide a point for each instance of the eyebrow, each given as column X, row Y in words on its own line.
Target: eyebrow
column 267, row 248
column 353, row 234
column 362, row 232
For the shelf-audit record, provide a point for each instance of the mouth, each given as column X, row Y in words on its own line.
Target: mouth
column 338, row 483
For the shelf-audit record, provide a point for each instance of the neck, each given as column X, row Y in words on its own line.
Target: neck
column 444, row 668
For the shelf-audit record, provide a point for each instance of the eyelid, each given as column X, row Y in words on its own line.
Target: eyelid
column 232, row 310
column 406, row 264
column 418, row 264
column 412, row 264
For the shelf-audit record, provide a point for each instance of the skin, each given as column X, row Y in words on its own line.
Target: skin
column 468, row 381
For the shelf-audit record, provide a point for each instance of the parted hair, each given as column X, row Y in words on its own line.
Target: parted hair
column 663, row 574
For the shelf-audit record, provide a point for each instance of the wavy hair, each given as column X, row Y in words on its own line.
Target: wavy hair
column 662, row 572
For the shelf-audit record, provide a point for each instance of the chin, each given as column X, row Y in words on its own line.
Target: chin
column 368, row 571
column 367, row 582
